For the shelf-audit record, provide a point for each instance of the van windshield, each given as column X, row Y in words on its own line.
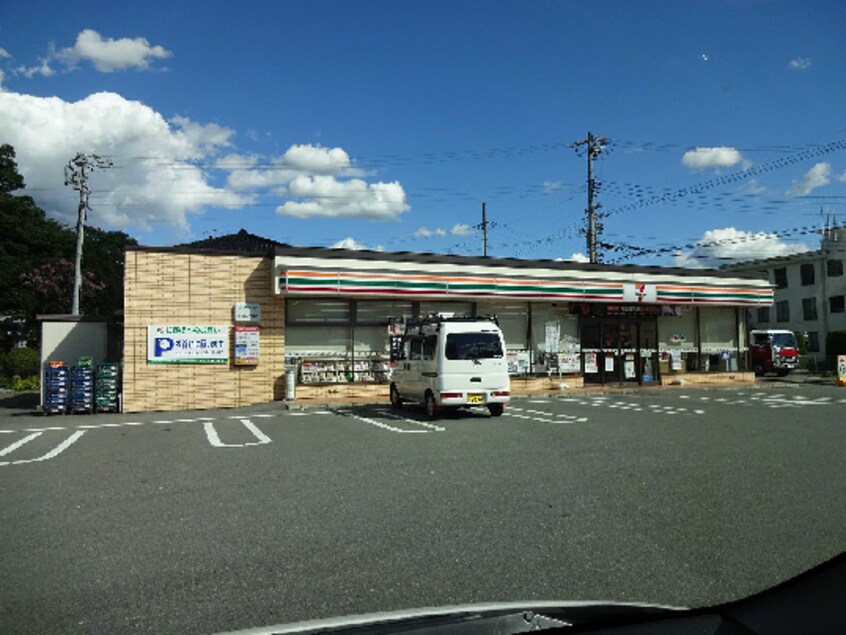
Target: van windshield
column 473, row 346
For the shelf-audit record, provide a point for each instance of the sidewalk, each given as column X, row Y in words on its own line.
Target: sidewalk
column 608, row 389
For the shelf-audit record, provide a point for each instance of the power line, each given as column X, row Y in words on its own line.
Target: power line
column 632, row 251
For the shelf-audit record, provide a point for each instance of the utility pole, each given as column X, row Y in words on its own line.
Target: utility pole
column 484, row 232
column 595, row 146
column 76, row 175
column 484, row 227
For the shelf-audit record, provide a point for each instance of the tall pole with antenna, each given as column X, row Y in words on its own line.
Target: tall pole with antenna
column 595, row 146
column 484, row 232
column 76, row 175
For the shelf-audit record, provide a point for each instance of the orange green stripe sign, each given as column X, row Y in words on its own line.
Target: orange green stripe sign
column 356, row 283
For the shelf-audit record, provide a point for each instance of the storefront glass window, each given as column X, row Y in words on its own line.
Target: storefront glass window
column 719, row 339
column 513, row 321
column 378, row 311
column 307, row 310
column 554, row 339
column 371, row 341
column 309, row 341
column 677, row 343
column 459, row 308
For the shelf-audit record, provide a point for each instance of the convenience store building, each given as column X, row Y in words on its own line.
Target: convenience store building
column 218, row 323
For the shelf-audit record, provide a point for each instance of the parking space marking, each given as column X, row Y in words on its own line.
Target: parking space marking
column 542, row 416
column 17, row 444
column 379, row 424
column 64, row 445
column 214, row 438
column 396, row 417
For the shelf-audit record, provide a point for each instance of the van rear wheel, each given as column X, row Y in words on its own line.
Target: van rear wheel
column 431, row 406
column 496, row 409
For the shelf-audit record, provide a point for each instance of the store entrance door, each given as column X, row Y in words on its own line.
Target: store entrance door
column 617, row 350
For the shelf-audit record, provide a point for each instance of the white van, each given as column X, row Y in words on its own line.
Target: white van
column 451, row 362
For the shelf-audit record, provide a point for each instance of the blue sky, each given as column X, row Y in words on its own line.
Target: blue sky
column 385, row 125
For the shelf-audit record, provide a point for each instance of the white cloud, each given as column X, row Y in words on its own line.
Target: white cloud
column 319, row 160
column 107, row 54
column 817, row 176
column 711, row 158
column 578, row 257
column 720, row 246
column 752, row 186
column 327, row 196
column 349, row 243
column 842, row 177
column 4, row 54
column 799, row 63
column 314, row 176
column 457, row 230
column 204, row 138
column 43, row 68
column 352, row 243
column 552, row 186
column 153, row 180
column 157, row 178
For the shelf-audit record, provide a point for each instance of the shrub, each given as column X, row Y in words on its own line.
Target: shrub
column 27, row 384
column 24, row 362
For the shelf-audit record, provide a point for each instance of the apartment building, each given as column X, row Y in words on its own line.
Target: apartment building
column 809, row 292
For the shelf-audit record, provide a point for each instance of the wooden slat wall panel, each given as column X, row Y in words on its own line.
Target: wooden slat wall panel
column 167, row 288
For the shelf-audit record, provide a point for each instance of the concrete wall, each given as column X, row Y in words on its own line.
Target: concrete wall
column 70, row 340
column 166, row 288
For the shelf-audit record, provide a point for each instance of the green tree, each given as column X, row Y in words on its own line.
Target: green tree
column 10, row 178
column 29, row 241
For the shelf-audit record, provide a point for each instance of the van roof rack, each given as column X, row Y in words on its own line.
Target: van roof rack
column 438, row 318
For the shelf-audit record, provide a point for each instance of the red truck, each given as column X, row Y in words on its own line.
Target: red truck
column 773, row 351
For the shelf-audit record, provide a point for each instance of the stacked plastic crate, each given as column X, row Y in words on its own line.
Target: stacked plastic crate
column 82, row 386
column 106, row 387
column 55, row 387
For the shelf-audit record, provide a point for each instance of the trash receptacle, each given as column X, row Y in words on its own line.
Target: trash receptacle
column 291, row 383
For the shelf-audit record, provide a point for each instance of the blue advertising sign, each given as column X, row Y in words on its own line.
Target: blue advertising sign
column 187, row 344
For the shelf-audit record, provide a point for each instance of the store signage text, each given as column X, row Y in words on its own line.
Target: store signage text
column 176, row 344
column 247, row 312
column 246, row 345
column 589, row 309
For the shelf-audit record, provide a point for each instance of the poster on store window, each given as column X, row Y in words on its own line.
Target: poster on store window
column 246, row 345
column 675, row 360
column 552, row 332
column 569, row 363
column 609, row 363
column 590, row 363
column 629, row 368
column 518, row 362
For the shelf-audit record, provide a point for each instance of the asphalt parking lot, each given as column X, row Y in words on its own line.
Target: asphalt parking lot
column 216, row 520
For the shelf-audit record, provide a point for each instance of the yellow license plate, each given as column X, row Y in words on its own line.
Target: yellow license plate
column 475, row 398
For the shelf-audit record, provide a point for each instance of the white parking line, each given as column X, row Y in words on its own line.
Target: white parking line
column 379, row 424
column 214, row 439
column 17, row 444
column 543, row 417
column 397, row 417
column 64, row 445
